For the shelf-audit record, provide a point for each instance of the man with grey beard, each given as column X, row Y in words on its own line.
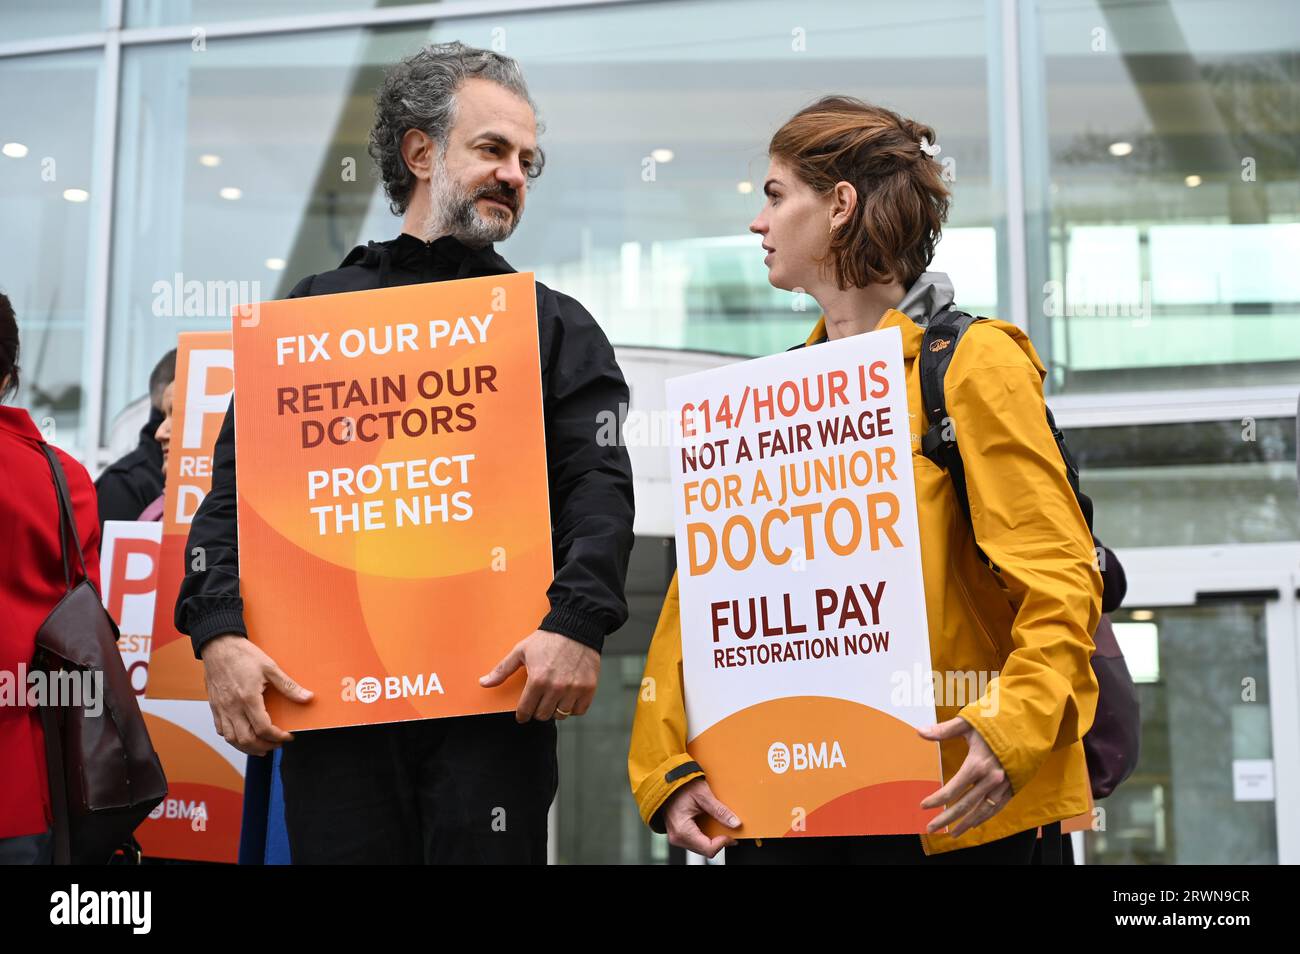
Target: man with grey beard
column 455, row 140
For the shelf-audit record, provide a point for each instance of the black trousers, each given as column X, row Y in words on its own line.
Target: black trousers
column 28, row 849
column 1015, row 849
column 468, row 790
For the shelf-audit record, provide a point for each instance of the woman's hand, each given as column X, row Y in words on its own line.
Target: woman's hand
column 980, row 777
column 686, row 805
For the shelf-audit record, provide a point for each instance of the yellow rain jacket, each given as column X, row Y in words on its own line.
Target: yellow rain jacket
column 1031, row 621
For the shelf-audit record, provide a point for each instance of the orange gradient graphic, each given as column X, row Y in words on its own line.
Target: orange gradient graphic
column 887, row 770
column 340, row 608
column 197, row 778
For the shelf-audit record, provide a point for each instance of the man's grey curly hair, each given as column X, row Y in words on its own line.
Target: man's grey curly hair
column 420, row 93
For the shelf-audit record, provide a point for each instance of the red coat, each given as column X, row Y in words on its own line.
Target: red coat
column 31, row 583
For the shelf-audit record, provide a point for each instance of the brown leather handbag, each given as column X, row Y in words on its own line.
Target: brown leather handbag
column 105, row 777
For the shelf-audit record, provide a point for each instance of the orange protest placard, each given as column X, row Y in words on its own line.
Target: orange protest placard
column 394, row 518
column 200, row 397
column 200, row 818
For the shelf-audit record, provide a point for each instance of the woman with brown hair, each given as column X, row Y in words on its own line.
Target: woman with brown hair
column 854, row 208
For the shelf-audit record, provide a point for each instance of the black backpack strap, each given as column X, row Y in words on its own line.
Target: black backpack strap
column 1071, row 469
column 938, row 345
column 939, row 443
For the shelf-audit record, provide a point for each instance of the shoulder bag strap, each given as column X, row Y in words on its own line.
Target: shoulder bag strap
column 67, row 517
column 51, row 723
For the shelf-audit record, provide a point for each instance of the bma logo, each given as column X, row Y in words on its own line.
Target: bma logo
column 802, row 756
column 369, row 689
column 179, row 808
column 778, row 757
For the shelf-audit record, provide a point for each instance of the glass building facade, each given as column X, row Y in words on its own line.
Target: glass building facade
column 1126, row 179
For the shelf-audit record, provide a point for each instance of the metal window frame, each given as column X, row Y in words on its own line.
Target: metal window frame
column 1124, row 408
column 1013, row 156
column 304, row 23
column 101, row 256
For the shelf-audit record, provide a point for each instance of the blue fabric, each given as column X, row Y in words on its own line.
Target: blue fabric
column 277, row 835
column 263, row 837
column 257, row 791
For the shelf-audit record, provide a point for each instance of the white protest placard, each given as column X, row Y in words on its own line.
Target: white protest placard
column 802, row 599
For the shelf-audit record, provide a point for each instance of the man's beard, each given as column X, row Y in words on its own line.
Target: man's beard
column 453, row 211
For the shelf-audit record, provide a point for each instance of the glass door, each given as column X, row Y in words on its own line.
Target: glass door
column 1209, row 635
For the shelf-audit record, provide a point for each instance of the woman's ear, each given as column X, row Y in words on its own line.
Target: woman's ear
column 418, row 151
column 844, row 201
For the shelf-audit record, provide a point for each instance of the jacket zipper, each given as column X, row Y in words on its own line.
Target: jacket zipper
column 979, row 620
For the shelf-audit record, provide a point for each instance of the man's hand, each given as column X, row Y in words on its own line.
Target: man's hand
column 562, row 676
column 687, row 804
column 237, row 674
column 981, row 781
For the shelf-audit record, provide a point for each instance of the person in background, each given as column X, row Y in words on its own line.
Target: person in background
column 135, row 480
column 163, row 436
column 31, row 584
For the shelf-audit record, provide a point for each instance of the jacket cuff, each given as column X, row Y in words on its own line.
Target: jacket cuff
column 218, row 622
column 577, row 625
column 655, row 788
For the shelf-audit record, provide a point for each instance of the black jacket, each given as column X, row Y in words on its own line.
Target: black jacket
column 134, row 480
column 590, row 481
